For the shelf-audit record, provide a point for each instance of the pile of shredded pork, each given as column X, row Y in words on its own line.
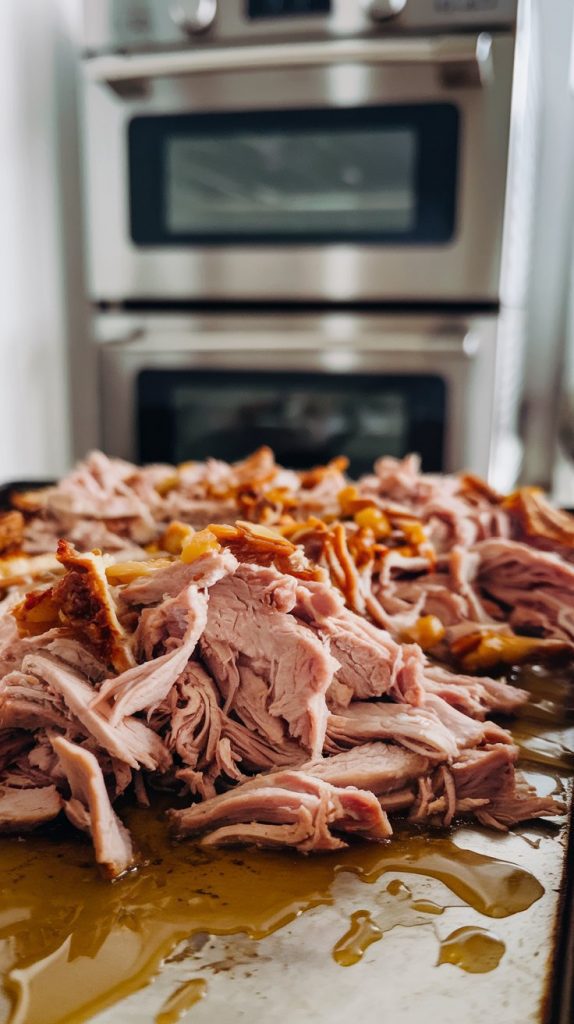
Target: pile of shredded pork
column 296, row 657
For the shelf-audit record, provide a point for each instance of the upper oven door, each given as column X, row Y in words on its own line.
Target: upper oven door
column 360, row 170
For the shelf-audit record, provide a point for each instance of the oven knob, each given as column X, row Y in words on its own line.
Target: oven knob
column 193, row 16
column 379, row 10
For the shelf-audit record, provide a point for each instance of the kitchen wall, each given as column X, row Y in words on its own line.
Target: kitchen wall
column 41, row 304
column 552, row 237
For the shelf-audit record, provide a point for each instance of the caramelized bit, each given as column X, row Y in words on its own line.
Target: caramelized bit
column 11, row 530
column 373, row 519
column 127, row 572
column 298, row 532
column 486, row 650
column 175, row 537
column 427, row 631
column 251, row 542
column 248, row 541
column 350, row 501
column 537, row 518
column 82, row 601
column 267, row 506
column 169, row 483
column 314, row 476
column 347, row 497
column 414, row 532
column 38, row 612
column 258, row 468
column 86, row 604
column 262, row 533
column 198, row 544
column 472, row 485
column 351, row 586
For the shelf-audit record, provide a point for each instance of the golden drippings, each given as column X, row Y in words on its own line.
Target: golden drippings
column 543, row 730
column 427, row 907
column 398, row 888
column 361, row 934
column 186, row 996
column 548, row 747
column 493, row 887
column 474, row 950
column 72, row 944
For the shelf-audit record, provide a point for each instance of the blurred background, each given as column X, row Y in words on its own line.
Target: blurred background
column 325, row 225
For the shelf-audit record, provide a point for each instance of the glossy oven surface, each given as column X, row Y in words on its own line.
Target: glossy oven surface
column 209, row 186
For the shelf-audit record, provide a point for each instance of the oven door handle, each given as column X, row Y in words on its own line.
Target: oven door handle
column 459, row 60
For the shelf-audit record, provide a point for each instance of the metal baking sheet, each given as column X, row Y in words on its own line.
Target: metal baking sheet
column 291, row 975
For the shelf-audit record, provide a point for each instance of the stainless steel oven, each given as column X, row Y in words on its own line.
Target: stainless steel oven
column 307, row 226
column 178, row 386
column 298, row 149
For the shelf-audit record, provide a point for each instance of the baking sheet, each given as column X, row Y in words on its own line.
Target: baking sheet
column 292, row 975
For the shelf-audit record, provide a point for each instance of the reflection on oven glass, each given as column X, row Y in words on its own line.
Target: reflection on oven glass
column 307, row 417
column 292, row 182
column 299, row 426
column 286, row 8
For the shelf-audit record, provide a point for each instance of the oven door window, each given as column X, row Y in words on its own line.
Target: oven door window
column 372, row 175
column 307, row 418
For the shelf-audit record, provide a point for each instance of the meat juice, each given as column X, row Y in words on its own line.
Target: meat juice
column 72, row 943
column 476, row 950
column 184, row 997
column 87, row 942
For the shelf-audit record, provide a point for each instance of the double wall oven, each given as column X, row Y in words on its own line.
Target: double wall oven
column 306, row 229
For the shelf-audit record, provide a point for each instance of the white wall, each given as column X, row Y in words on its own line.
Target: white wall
column 552, row 237
column 39, row 245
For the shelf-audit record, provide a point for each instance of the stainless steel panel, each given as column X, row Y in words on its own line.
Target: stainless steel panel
column 462, row 351
column 141, row 24
column 466, row 269
column 469, row 58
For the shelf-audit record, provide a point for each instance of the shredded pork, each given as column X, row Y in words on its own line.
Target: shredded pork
column 293, row 652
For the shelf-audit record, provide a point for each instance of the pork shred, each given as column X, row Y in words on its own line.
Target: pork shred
column 293, row 652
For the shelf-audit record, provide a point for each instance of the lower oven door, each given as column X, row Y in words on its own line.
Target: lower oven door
column 177, row 388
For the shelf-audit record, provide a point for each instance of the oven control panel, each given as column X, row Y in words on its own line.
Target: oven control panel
column 132, row 26
column 286, row 8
